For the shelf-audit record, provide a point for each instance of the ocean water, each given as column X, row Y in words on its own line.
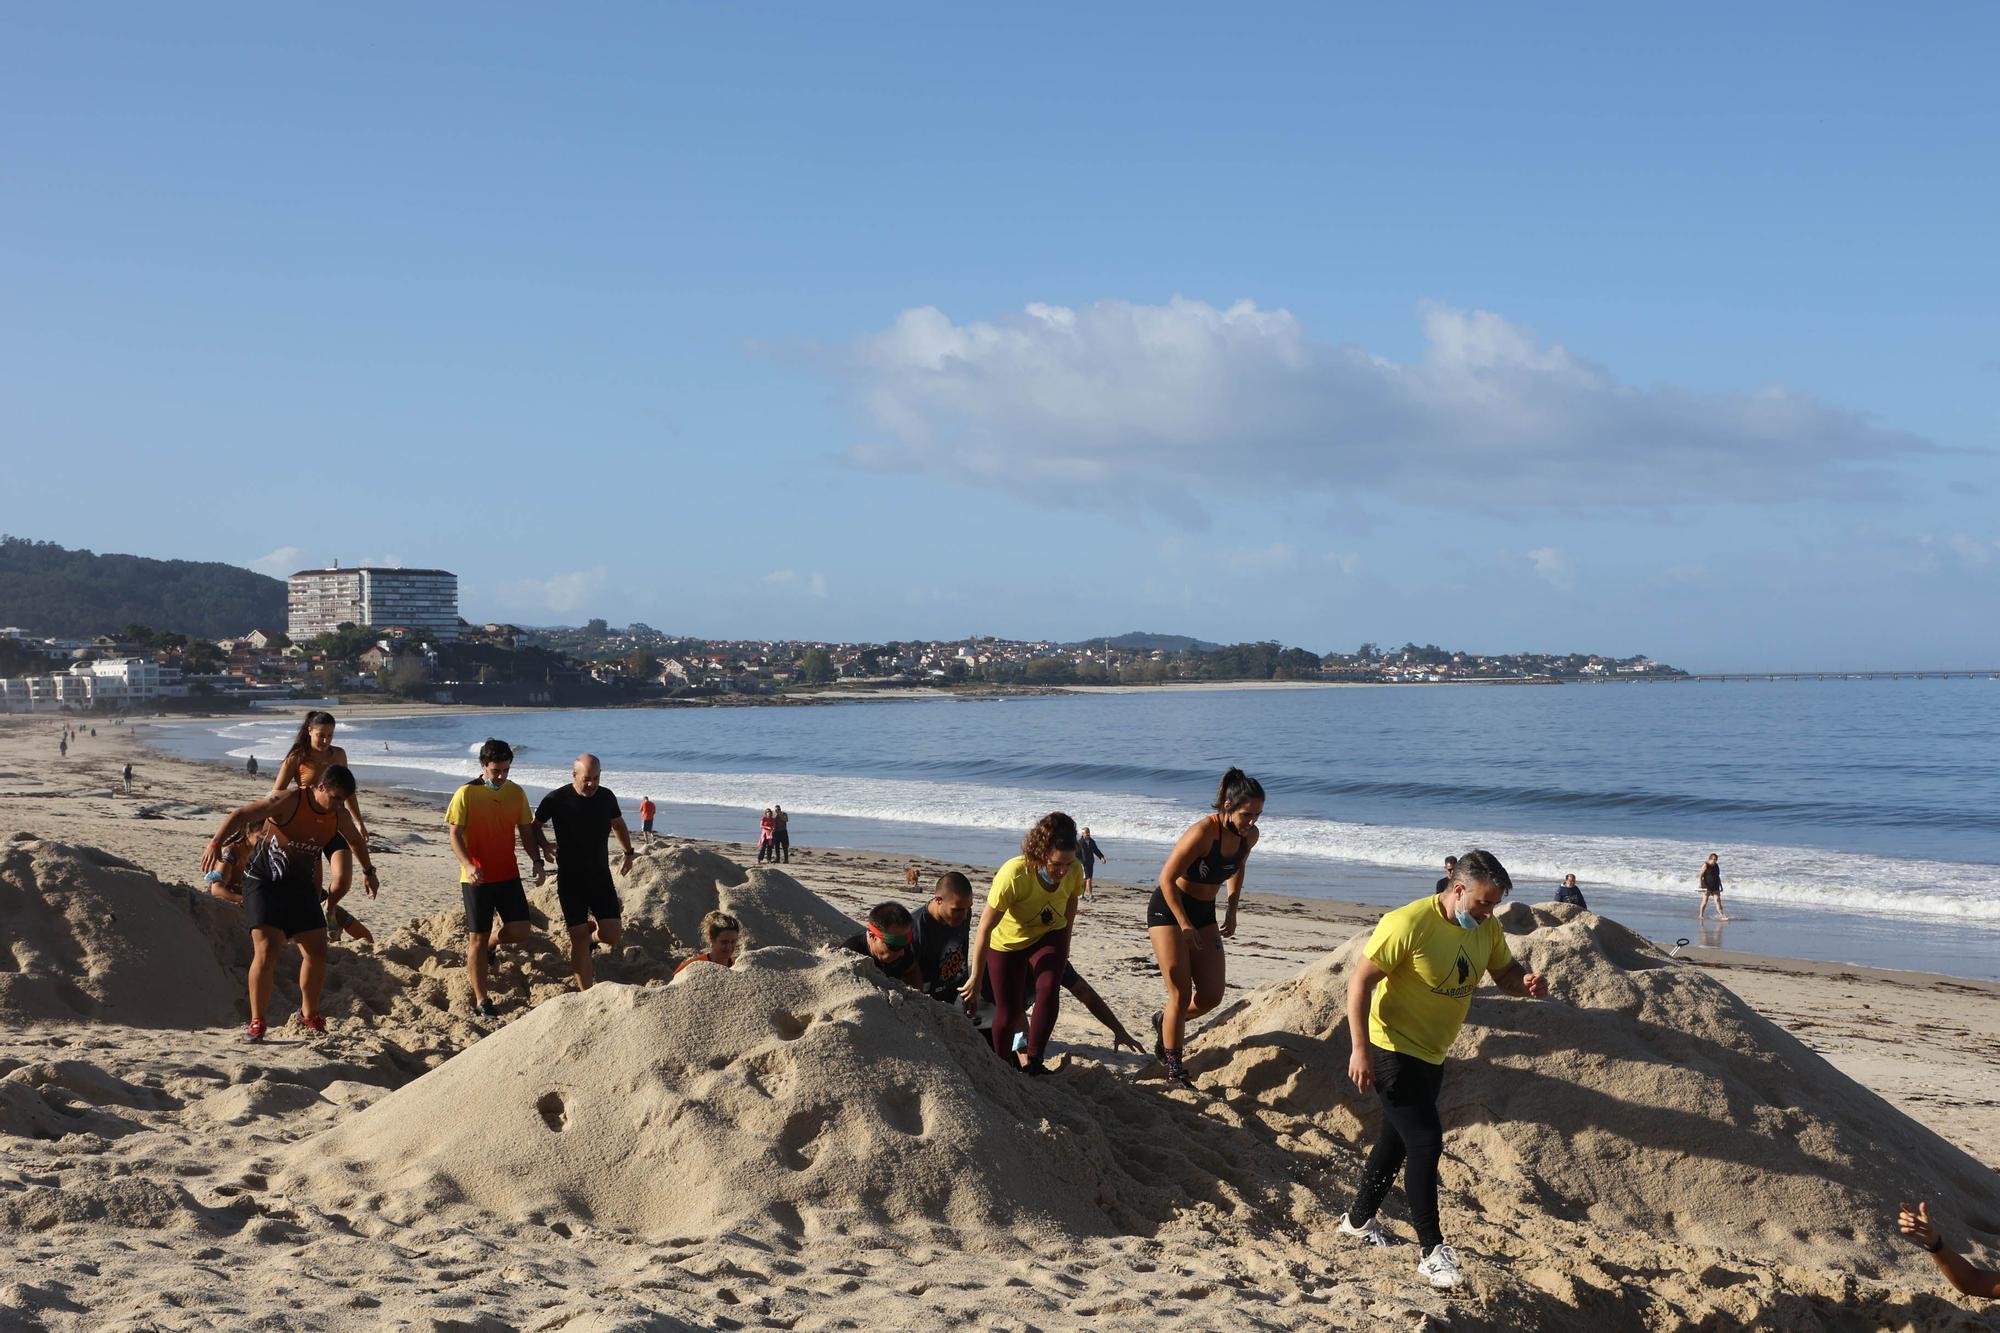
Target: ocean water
column 1856, row 821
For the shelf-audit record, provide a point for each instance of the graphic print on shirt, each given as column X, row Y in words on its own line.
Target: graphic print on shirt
column 1462, row 965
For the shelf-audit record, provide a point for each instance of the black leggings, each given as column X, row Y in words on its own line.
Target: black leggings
column 1412, row 1141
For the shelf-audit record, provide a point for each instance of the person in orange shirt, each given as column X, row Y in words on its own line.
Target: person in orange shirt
column 723, row 933
column 646, row 818
column 484, row 818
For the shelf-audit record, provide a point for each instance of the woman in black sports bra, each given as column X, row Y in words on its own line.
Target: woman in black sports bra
column 1181, row 916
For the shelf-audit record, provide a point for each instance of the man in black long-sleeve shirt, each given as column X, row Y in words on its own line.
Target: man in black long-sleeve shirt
column 942, row 934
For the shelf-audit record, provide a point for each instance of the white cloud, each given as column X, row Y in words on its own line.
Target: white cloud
column 560, row 593
column 284, row 561
column 1347, row 563
column 1552, row 566
column 1975, row 554
column 1155, row 400
column 815, row 584
column 1278, row 555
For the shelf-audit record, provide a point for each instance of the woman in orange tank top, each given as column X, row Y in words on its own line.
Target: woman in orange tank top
column 312, row 753
column 281, row 883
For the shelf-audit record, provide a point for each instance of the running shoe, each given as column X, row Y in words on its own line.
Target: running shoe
column 1370, row 1231
column 486, row 1008
column 1440, row 1267
column 1034, row 1069
column 316, row 1023
column 1177, row 1072
column 255, row 1033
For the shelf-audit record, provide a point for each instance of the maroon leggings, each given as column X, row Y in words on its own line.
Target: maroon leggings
column 1039, row 968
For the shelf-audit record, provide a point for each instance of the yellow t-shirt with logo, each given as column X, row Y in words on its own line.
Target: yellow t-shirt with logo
column 489, row 816
column 1434, row 965
column 1029, row 909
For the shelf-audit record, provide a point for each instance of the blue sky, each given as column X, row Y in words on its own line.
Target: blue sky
column 1554, row 328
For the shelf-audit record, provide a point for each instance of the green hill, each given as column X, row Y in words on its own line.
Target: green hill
column 1141, row 642
column 48, row 589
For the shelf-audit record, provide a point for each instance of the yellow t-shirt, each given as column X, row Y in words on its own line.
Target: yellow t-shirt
column 1434, row 965
column 490, row 815
column 1029, row 909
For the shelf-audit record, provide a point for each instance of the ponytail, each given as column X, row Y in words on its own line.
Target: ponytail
column 1237, row 788
column 303, row 741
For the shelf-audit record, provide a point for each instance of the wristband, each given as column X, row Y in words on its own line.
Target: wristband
column 1934, row 1246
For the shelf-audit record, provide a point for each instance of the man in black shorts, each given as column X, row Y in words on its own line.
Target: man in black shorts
column 483, row 818
column 585, row 815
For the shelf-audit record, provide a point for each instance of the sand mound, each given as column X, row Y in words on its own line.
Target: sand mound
column 1645, row 1095
column 85, row 935
column 792, row 1090
column 677, row 887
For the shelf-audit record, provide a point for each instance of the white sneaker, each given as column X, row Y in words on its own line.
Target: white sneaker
column 1370, row 1231
column 1440, row 1267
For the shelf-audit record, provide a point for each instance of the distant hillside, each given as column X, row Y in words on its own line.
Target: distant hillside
column 50, row 590
column 1140, row 641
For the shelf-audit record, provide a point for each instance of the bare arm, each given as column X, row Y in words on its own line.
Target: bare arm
column 1101, row 1011
column 1520, row 983
column 1178, row 860
column 1957, row 1269
column 247, row 816
column 288, row 772
column 976, row 964
column 1360, row 990
column 463, row 851
column 625, row 842
column 357, row 845
column 1236, row 886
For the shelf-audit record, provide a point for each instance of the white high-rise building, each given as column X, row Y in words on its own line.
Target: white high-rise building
column 424, row 601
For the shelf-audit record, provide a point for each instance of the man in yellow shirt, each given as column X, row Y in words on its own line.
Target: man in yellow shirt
column 1409, row 994
column 484, row 818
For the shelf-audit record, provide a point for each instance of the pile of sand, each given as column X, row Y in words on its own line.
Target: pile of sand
column 1644, row 1095
column 86, row 936
column 675, row 888
column 793, row 1090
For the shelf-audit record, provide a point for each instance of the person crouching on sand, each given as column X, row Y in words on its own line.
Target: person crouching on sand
column 723, row 933
column 1406, row 1001
column 281, row 898
column 1187, row 943
column 1960, row 1272
column 483, row 819
column 1023, row 936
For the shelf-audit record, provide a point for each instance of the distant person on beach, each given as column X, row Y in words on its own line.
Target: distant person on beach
column 484, row 818
column 646, row 810
column 1023, row 937
column 723, row 933
column 767, row 832
column 781, row 835
column 250, row 766
column 281, row 898
column 1406, row 1000
column 586, row 817
column 1710, row 880
column 1957, row 1269
column 1180, row 918
column 312, row 751
column 941, row 936
column 1088, row 854
column 886, row 939
column 1444, row 881
column 62, row 747
column 1567, row 892
column 128, row 778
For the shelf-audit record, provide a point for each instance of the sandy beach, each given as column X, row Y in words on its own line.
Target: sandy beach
column 1668, row 1144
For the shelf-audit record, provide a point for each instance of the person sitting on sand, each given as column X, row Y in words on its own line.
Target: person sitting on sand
column 1957, row 1269
column 886, row 940
column 281, row 884
column 723, row 933
column 483, row 819
column 1023, row 937
column 586, row 816
column 1187, row 943
column 1568, row 893
column 1406, row 1000
column 941, row 937
column 1710, row 880
column 1088, row 854
column 313, row 750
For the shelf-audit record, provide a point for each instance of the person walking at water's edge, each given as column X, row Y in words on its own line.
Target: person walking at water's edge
column 483, row 819
column 1406, row 1000
column 1710, row 879
column 646, row 811
column 1088, row 854
column 1180, row 918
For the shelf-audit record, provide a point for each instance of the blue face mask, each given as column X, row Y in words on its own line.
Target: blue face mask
column 491, row 783
column 1467, row 920
column 1048, row 879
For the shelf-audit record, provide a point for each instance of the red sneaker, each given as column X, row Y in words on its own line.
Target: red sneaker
column 256, row 1031
column 317, row 1022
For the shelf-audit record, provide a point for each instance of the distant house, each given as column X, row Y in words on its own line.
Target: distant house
column 377, row 659
column 260, row 639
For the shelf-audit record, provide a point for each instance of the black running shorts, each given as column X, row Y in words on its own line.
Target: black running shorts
column 483, row 900
column 583, row 898
column 1199, row 912
column 281, row 906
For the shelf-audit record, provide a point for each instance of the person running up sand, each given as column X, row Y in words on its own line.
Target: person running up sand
column 941, row 937
column 281, row 884
column 1187, row 943
column 723, row 933
column 886, row 940
column 312, row 751
column 1406, row 1001
column 1957, row 1269
column 1086, row 994
column 1710, row 880
column 1023, row 936
column 1088, row 854
column 585, row 816
column 483, row 818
